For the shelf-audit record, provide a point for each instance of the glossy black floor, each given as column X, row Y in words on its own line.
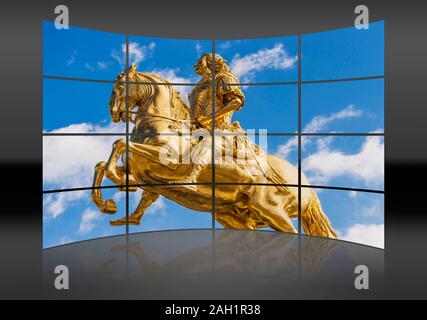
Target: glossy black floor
column 213, row 264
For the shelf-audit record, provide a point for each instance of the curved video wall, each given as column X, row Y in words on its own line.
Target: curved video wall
column 146, row 134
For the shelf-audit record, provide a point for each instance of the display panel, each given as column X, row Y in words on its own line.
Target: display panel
column 78, row 107
column 343, row 53
column 256, row 207
column 272, row 108
column 166, row 214
column 343, row 107
column 349, row 162
column 261, row 60
column 255, row 154
column 356, row 216
column 82, row 53
column 132, row 122
column 70, row 161
column 173, row 59
column 72, row 216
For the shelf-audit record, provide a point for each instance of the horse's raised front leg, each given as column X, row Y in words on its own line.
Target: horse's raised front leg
column 135, row 218
column 109, row 206
column 115, row 173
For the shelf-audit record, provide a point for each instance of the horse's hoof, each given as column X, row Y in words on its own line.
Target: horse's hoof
column 134, row 221
column 109, row 207
column 122, row 221
column 118, row 222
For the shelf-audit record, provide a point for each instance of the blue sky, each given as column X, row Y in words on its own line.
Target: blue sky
column 365, row 98
column 71, row 102
column 343, row 53
column 171, row 58
column 353, row 106
column 356, row 216
column 80, row 53
column 261, row 60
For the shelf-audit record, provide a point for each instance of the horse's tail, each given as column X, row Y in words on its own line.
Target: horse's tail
column 314, row 220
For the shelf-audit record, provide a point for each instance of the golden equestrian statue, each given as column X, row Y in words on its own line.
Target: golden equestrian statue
column 170, row 154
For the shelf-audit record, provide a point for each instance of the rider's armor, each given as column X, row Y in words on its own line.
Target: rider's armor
column 201, row 97
column 226, row 86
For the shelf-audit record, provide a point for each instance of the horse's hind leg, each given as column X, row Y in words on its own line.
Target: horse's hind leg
column 232, row 220
column 109, row 206
column 267, row 204
column 146, row 200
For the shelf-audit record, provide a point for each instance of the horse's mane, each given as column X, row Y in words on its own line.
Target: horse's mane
column 180, row 109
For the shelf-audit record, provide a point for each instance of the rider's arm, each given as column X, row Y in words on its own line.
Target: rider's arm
column 233, row 103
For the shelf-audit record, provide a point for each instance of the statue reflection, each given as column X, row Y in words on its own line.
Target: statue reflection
column 258, row 253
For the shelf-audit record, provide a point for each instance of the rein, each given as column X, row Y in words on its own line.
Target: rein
column 172, row 96
column 165, row 117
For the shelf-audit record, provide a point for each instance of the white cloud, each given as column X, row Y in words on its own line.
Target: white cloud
column 225, row 45
column 102, row 65
column 88, row 220
column 98, row 66
column 172, row 76
column 158, row 207
column 366, row 165
column 86, row 127
column 69, row 162
column 369, row 234
column 89, row 67
column 284, row 150
column 374, row 209
column 246, row 66
column 71, row 60
column 352, row 194
column 324, row 142
column 137, row 53
column 317, row 124
column 320, row 122
column 118, row 196
column 56, row 204
column 198, row 49
column 65, row 240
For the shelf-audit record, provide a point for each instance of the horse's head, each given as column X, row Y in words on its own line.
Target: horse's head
column 142, row 89
column 118, row 96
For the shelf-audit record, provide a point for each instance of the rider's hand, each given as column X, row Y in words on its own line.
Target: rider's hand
column 205, row 121
column 236, row 125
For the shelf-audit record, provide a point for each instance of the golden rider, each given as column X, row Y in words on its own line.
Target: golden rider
column 228, row 98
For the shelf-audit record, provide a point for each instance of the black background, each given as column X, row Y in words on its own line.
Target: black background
column 21, row 119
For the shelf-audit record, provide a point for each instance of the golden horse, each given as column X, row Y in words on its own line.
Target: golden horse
column 242, row 200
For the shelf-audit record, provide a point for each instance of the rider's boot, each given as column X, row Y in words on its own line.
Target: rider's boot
column 192, row 178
